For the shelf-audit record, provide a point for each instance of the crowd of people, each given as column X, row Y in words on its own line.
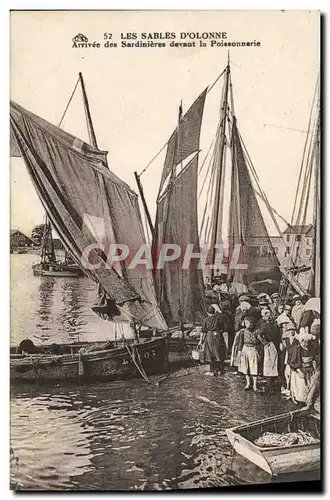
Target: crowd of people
column 266, row 339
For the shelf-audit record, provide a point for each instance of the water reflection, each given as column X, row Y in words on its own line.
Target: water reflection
column 131, row 435
column 71, row 319
column 46, row 299
column 122, row 435
column 52, row 308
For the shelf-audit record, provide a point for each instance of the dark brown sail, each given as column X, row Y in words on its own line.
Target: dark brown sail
column 185, row 139
column 247, row 226
column 87, row 205
column 180, row 291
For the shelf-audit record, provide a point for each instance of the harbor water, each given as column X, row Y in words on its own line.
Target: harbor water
column 124, row 435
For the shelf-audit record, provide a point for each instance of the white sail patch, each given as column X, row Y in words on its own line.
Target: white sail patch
column 104, row 238
column 96, row 226
column 78, row 144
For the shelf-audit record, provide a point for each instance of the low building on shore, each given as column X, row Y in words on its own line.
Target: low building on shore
column 295, row 244
column 19, row 240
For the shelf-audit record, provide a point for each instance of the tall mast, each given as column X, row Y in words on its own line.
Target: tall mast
column 219, row 163
column 315, row 288
column 88, row 113
column 144, row 203
column 178, row 147
column 138, row 179
column 43, row 241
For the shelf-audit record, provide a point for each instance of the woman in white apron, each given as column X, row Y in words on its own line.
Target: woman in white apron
column 248, row 352
column 298, row 385
column 242, row 309
column 270, row 338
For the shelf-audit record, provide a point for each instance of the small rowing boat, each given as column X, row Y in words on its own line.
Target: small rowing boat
column 289, row 456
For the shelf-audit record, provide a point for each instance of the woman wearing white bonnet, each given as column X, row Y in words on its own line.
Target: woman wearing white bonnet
column 243, row 307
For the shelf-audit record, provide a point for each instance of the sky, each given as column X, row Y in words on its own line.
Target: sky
column 134, row 93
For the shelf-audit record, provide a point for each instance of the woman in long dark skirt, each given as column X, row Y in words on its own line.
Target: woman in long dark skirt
column 214, row 344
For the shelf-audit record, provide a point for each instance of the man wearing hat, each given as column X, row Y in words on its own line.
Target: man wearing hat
column 244, row 298
column 263, row 306
column 264, row 297
column 275, row 298
column 244, row 303
column 284, row 317
column 297, row 310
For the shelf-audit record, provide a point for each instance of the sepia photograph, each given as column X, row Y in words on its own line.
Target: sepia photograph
column 165, row 236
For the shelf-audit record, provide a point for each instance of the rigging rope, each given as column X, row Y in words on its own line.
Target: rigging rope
column 306, row 175
column 164, row 146
column 283, row 128
column 263, row 195
column 207, row 173
column 303, row 221
column 153, row 159
column 210, row 191
column 273, row 209
column 140, row 368
column 204, row 161
column 304, row 151
column 67, row 106
column 306, row 188
column 265, row 199
column 216, row 81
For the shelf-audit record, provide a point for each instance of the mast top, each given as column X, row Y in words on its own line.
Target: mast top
column 180, row 111
column 90, row 126
column 228, row 60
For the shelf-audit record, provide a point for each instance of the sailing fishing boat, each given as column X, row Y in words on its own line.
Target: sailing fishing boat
column 247, row 235
column 49, row 265
column 90, row 208
column 180, row 292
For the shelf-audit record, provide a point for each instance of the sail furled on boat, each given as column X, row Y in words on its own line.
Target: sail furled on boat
column 180, row 291
column 247, row 226
column 88, row 205
column 187, row 134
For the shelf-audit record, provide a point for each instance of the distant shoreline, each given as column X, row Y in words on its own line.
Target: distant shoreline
column 30, row 250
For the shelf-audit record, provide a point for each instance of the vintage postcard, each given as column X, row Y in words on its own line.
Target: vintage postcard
column 165, row 249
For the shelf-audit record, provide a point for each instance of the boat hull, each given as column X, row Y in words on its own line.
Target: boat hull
column 278, row 460
column 60, row 271
column 98, row 365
